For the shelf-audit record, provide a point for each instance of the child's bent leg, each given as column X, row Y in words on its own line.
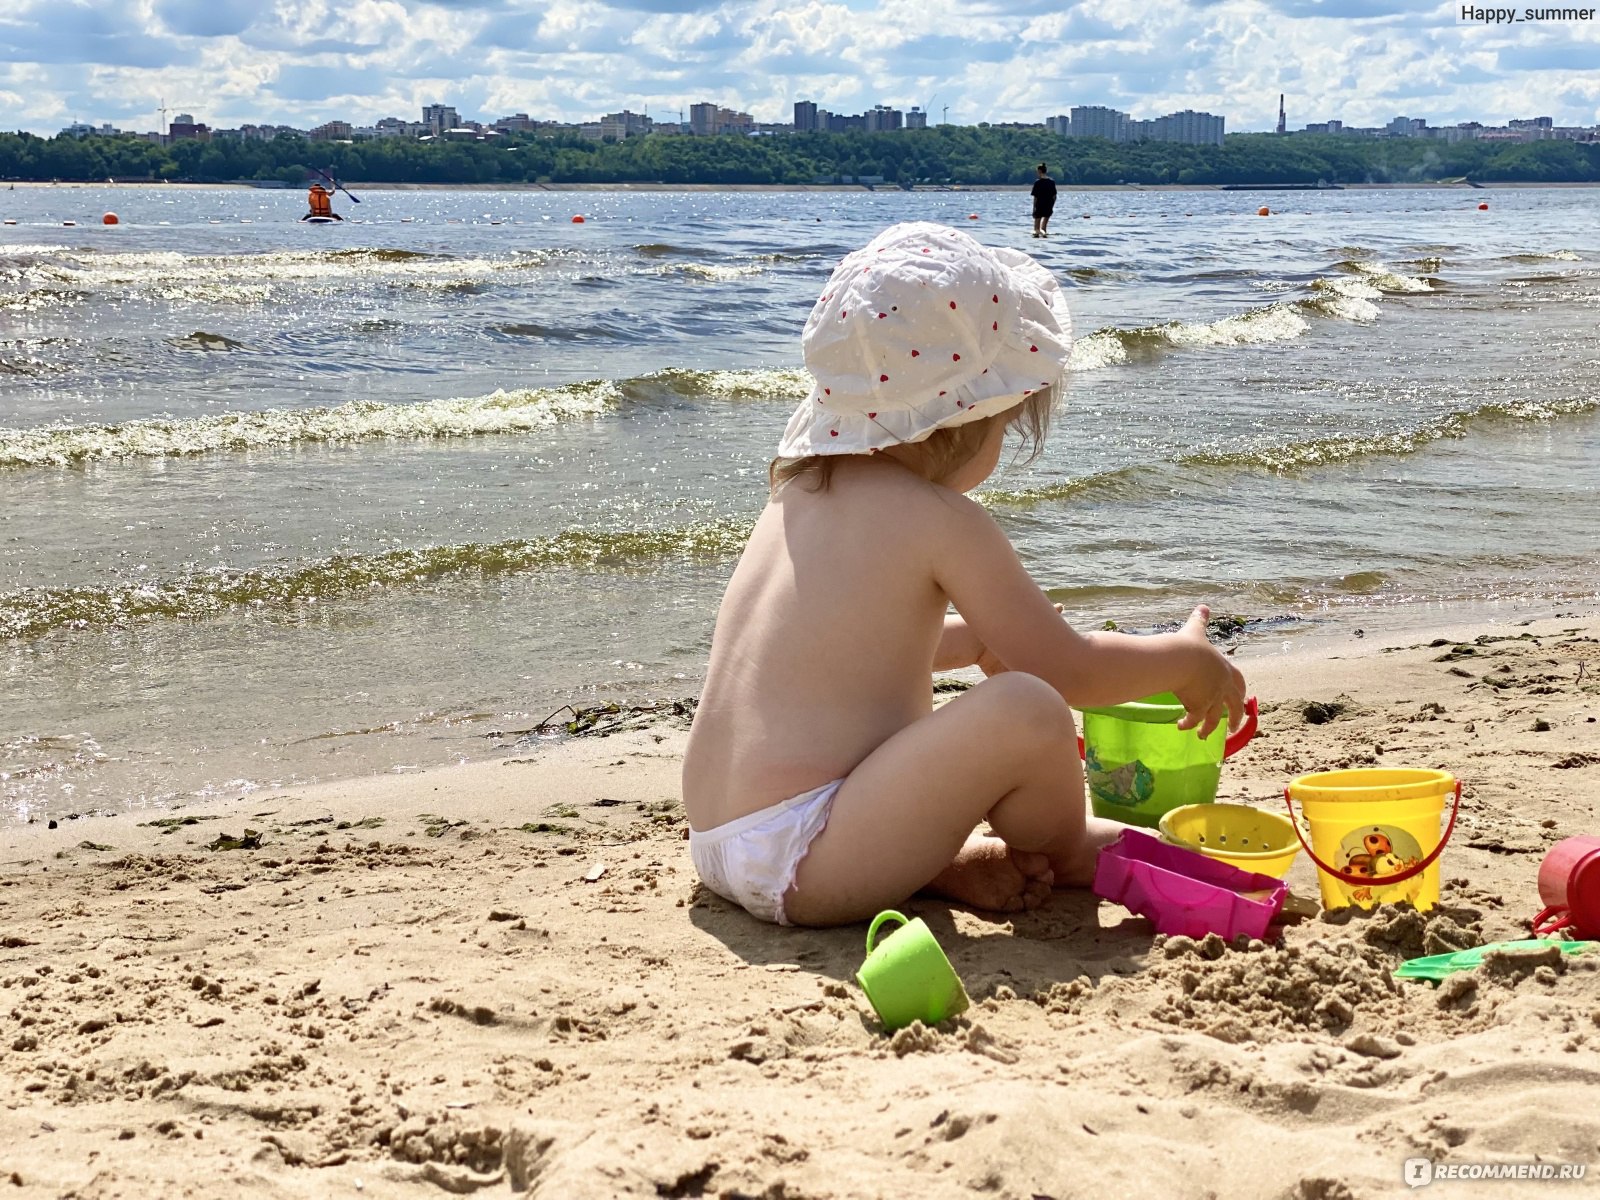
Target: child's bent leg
column 1005, row 751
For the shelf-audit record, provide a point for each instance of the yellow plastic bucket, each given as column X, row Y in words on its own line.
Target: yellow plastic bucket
column 1375, row 833
column 1245, row 837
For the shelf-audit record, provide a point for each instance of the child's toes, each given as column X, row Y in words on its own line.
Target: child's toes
column 1036, row 892
column 1033, row 866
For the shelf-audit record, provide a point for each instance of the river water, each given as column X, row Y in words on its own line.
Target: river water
column 280, row 502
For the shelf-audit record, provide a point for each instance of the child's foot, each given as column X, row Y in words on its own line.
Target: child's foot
column 986, row 873
column 1075, row 867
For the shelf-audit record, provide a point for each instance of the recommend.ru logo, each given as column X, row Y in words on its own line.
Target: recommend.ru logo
column 1419, row 1172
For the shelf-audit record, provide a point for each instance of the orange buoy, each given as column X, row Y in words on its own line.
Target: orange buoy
column 1263, row 211
column 109, row 219
column 972, row 216
column 578, row 220
column 1483, row 208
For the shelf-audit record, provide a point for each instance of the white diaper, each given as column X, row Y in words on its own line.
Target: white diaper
column 752, row 860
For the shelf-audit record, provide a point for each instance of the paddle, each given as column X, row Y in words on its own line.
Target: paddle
column 337, row 185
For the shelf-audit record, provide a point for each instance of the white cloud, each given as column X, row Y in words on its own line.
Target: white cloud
column 306, row 61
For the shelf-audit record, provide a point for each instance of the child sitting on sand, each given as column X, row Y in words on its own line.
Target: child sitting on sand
column 820, row 784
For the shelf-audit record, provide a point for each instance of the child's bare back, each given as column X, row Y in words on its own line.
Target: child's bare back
column 824, row 643
column 820, row 784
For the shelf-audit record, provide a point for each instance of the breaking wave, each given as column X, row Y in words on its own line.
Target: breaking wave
column 35, row 611
column 245, row 278
column 1318, row 452
column 522, row 410
column 1351, row 296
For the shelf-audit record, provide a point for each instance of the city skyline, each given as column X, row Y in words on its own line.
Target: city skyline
column 709, row 119
column 1359, row 62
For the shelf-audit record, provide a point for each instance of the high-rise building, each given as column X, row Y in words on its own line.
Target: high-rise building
column 702, row 119
column 1191, row 128
column 882, row 118
column 621, row 125
column 439, row 117
column 1095, row 120
column 708, row 119
column 805, row 116
column 916, row 118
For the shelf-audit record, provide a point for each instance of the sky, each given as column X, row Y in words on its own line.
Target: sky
column 303, row 62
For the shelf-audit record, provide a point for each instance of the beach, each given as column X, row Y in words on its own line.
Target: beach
column 502, row 977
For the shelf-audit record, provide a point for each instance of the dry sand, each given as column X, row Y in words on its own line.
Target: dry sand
column 410, row 988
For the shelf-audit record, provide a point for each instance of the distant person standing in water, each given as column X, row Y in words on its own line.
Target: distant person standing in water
column 1044, row 202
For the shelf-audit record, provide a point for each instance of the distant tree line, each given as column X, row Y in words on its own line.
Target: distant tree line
column 948, row 154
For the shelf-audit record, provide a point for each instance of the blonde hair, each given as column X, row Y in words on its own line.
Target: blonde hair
column 944, row 451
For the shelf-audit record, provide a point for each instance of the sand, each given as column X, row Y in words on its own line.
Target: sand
column 502, row 977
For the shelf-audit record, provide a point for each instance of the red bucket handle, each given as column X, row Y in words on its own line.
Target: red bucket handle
column 1369, row 880
column 1552, row 920
column 1237, row 740
column 1240, row 738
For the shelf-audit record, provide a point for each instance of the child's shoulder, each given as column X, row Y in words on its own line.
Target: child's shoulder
column 867, row 490
column 862, row 480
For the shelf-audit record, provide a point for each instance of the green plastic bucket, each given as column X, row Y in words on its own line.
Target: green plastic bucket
column 1139, row 765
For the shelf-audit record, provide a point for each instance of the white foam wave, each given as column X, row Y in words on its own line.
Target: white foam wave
column 1275, row 323
column 36, row 300
column 516, row 411
column 714, row 272
column 1346, row 299
column 28, row 248
column 1100, row 349
column 253, row 278
column 1386, row 280
column 761, row 383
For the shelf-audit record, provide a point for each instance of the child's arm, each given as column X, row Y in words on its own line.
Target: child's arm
column 958, row 646
column 1008, row 614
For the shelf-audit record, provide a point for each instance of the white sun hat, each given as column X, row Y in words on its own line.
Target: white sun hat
column 921, row 329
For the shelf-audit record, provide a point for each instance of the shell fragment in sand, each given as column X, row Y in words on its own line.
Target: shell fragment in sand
column 594, row 873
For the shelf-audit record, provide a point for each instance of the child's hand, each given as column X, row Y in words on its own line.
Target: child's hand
column 1215, row 688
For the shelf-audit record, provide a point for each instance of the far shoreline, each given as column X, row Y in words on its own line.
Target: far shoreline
column 1498, row 185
